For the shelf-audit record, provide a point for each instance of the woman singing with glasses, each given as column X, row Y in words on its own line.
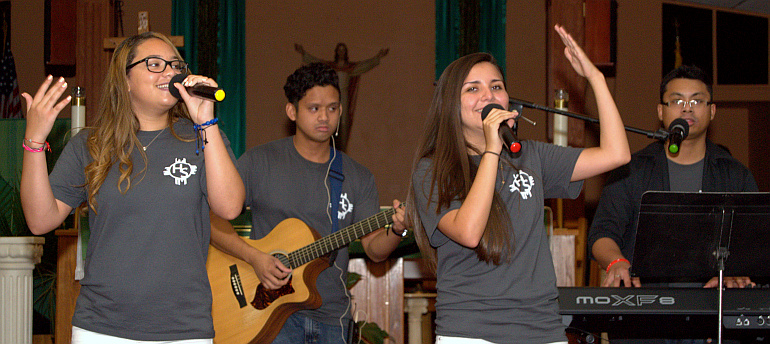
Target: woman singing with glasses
column 148, row 193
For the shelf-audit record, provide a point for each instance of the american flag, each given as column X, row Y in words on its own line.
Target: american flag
column 10, row 101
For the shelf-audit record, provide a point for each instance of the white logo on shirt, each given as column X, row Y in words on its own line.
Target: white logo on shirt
column 180, row 170
column 345, row 207
column 523, row 183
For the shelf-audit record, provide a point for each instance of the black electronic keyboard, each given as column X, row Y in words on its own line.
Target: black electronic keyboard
column 747, row 308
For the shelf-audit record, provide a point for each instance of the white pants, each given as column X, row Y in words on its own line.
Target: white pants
column 81, row 336
column 461, row 340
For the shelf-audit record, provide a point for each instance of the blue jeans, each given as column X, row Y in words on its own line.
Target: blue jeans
column 299, row 329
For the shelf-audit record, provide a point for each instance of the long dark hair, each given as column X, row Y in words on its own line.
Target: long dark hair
column 453, row 169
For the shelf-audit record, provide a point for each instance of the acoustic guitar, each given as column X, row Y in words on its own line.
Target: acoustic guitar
column 244, row 311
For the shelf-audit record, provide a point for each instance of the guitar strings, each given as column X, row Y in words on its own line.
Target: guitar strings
column 340, row 238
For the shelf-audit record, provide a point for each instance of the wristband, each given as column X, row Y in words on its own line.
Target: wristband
column 200, row 132
column 490, row 152
column 45, row 146
column 615, row 261
column 391, row 228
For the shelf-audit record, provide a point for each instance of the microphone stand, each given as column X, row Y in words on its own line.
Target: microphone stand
column 721, row 253
column 517, row 104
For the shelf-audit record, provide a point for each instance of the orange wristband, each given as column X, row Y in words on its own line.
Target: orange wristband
column 615, row 261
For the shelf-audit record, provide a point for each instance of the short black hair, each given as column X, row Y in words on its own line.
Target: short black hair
column 307, row 77
column 686, row 72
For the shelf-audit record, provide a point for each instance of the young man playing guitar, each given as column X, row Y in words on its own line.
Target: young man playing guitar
column 293, row 178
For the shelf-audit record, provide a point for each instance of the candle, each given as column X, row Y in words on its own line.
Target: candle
column 78, row 109
column 560, row 131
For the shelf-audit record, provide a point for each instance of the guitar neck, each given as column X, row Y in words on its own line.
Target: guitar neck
column 341, row 238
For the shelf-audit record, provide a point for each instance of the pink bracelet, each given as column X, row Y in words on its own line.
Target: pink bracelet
column 45, row 146
column 615, row 261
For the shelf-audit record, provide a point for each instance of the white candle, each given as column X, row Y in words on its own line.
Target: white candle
column 560, row 130
column 78, row 109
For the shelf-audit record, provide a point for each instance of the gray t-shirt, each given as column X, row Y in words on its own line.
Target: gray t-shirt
column 514, row 301
column 685, row 178
column 145, row 265
column 281, row 184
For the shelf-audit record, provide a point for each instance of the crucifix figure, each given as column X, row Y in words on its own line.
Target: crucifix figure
column 348, row 73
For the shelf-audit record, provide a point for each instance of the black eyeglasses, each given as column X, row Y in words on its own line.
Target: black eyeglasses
column 158, row 65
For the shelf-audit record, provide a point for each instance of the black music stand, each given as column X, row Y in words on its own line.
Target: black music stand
column 678, row 234
column 694, row 236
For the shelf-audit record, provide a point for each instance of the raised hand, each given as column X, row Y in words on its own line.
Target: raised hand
column 575, row 55
column 44, row 107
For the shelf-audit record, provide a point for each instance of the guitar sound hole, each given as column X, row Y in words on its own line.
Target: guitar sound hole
column 284, row 259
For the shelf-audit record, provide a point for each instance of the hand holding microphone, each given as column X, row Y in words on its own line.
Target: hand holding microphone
column 510, row 141
column 677, row 132
column 215, row 94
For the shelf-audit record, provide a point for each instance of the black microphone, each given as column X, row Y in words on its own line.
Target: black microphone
column 510, row 141
column 201, row 91
column 677, row 132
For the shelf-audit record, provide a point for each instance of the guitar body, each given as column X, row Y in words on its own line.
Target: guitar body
column 243, row 310
column 261, row 316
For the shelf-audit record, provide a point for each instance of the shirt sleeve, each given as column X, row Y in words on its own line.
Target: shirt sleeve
column 558, row 164
column 68, row 176
column 369, row 198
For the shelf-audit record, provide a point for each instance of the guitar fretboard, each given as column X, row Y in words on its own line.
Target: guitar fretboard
column 340, row 238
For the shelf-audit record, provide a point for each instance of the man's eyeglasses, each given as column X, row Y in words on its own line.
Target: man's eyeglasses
column 680, row 103
column 158, row 65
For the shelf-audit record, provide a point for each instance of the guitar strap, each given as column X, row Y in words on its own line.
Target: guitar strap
column 335, row 181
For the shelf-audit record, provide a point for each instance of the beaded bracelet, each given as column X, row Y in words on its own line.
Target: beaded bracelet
column 616, row 261
column 206, row 124
column 45, row 146
column 201, row 128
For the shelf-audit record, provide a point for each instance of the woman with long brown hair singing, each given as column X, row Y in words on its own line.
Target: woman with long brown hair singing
column 478, row 211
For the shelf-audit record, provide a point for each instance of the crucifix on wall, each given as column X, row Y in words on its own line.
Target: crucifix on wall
column 348, row 73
